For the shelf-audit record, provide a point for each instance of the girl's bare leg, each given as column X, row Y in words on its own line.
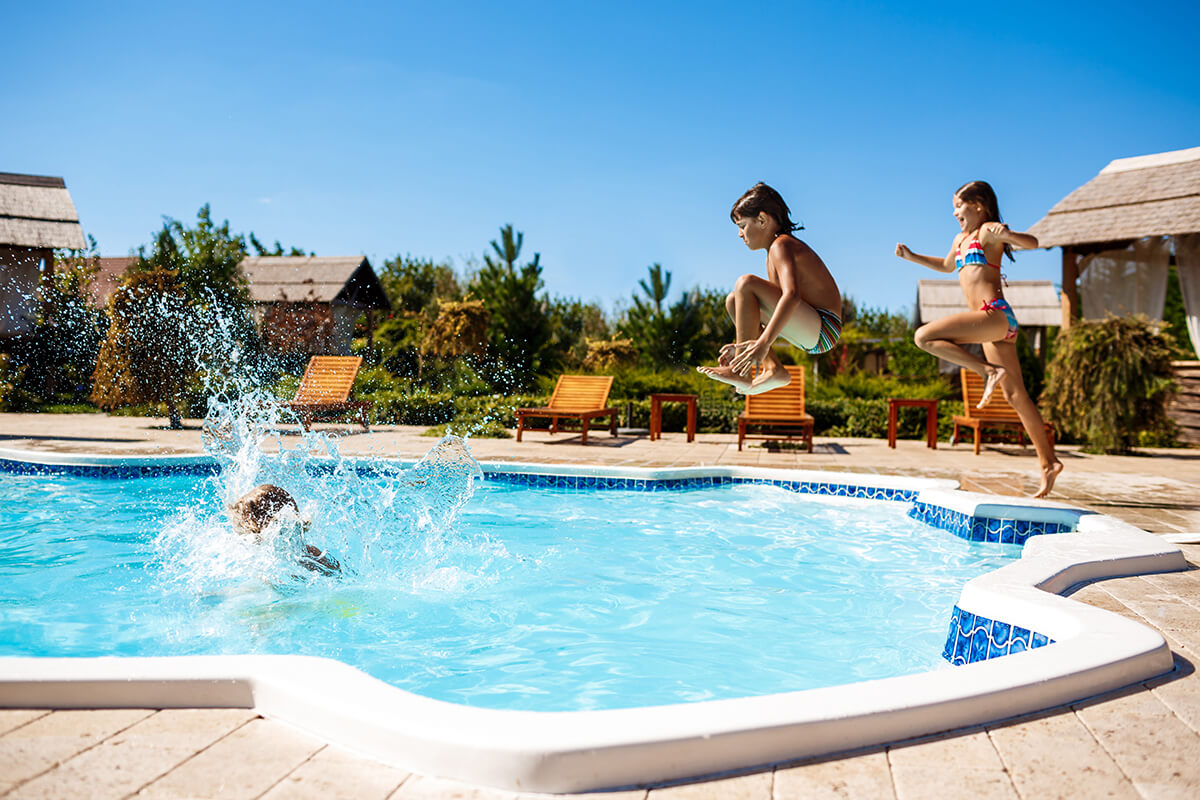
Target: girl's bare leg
column 1005, row 354
column 751, row 305
column 942, row 338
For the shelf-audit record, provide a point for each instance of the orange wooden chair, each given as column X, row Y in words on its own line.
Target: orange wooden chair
column 997, row 420
column 778, row 415
column 325, row 389
column 581, row 397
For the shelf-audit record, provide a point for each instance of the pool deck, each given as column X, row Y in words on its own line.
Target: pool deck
column 1140, row 742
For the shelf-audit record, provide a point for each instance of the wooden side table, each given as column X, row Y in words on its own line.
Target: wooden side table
column 930, row 407
column 656, row 401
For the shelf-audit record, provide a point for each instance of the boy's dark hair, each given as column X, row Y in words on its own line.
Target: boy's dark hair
column 982, row 192
column 260, row 505
column 761, row 197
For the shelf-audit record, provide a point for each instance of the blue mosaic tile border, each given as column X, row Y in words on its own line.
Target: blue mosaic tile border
column 106, row 470
column 591, row 482
column 975, row 638
column 983, row 529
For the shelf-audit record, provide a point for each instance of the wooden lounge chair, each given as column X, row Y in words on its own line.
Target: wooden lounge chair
column 581, row 397
column 997, row 420
column 778, row 414
column 325, row 389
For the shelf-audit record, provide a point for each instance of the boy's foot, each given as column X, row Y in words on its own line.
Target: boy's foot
column 725, row 374
column 1049, row 475
column 766, row 381
column 993, row 380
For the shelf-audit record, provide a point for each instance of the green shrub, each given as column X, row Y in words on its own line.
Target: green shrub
column 1109, row 383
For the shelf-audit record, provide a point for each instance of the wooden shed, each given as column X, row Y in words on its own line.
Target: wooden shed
column 308, row 304
column 1134, row 212
column 1036, row 304
column 37, row 216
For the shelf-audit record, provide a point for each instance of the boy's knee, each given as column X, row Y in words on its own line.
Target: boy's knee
column 921, row 338
column 743, row 284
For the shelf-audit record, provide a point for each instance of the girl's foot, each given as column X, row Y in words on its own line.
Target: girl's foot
column 1049, row 475
column 725, row 374
column 766, row 381
column 994, row 376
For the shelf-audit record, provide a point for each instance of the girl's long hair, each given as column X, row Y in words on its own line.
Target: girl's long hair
column 761, row 197
column 982, row 192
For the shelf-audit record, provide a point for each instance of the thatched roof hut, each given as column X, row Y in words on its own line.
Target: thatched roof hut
column 1155, row 195
column 1131, row 198
column 36, row 212
column 1127, row 220
column 36, row 216
column 309, row 303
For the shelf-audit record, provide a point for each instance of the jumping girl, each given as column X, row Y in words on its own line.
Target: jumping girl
column 798, row 301
column 983, row 241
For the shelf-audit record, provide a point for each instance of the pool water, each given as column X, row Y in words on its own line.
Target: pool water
column 490, row 594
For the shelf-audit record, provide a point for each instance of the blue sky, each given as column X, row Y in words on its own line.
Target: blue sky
column 612, row 134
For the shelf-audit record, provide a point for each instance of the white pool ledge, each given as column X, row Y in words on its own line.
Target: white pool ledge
column 1094, row 651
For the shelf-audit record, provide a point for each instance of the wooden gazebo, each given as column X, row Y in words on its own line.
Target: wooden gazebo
column 36, row 217
column 308, row 304
column 1132, row 200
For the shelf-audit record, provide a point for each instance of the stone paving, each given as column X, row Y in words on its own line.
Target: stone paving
column 1143, row 741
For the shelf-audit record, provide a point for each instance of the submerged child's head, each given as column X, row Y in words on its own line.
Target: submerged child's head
column 261, row 506
column 267, row 503
column 761, row 198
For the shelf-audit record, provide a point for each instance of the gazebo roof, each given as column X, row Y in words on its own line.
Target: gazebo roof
column 347, row 280
column 1154, row 195
column 1035, row 302
column 36, row 211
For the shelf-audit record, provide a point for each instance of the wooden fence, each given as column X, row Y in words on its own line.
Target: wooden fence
column 1185, row 407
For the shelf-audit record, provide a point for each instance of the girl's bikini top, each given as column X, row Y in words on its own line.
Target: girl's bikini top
column 974, row 255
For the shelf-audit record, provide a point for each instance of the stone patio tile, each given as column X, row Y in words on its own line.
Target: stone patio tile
column 1094, row 594
column 127, row 761
column 1055, row 756
column 244, row 764
column 968, row 762
column 421, row 787
column 1159, row 753
column 1160, row 607
column 13, row 718
column 34, row 748
column 756, row 786
column 968, row 750
column 860, row 777
column 1180, row 690
column 933, row 781
column 337, row 774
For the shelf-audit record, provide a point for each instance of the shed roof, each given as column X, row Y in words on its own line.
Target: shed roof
column 36, row 211
column 1154, row 195
column 346, row 280
column 1035, row 302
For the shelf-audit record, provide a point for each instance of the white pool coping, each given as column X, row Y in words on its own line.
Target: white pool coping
column 1094, row 651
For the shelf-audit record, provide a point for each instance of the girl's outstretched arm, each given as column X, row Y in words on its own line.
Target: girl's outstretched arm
column 940, row 264
column 999, row 232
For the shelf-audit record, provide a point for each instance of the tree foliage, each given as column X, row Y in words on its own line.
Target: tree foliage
column 520, row 332
column 148, row 354
column 1110, row 381
column 685, row 333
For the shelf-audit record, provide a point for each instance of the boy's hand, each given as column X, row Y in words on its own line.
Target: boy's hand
column 903, row 251
column 729, row 352
column 753, row 354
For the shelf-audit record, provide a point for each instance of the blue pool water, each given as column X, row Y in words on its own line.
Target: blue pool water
column 490, row 594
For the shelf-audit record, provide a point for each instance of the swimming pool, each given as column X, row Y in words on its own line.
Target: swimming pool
column 531, row 597
column 998, row 613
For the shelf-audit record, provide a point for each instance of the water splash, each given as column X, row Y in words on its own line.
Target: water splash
column 386, row 523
